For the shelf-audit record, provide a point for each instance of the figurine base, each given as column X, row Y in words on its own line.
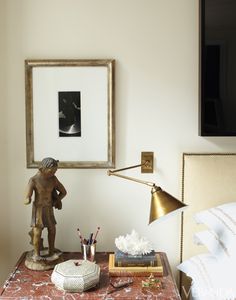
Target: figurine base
column 44, row 261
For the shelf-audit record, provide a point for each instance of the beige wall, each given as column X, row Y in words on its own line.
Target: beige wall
column 155, row 44
column 5, row 218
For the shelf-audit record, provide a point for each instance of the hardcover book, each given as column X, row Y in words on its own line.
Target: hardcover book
column 125, row 260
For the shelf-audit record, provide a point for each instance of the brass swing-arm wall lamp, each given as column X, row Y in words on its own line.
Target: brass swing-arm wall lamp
column 162, row 203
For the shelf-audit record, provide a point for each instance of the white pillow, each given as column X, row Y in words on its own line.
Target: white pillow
column 209, row 277
column 222, row 221
column 221, row 250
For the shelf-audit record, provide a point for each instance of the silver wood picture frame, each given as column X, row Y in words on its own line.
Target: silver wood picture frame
column 70, row 112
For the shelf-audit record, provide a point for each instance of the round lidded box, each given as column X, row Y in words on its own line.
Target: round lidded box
column 76, row 275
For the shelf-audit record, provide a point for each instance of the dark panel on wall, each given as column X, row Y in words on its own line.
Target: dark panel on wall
column 218, row 68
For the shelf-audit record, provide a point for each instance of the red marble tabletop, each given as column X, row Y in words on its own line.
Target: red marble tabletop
column 26, row 284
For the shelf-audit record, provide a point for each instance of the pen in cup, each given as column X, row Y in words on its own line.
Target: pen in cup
column 90, row 239
column 95, row 237
column 80, row 235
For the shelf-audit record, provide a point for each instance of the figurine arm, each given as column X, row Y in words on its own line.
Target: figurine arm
column 29, row 192
column 58, row 197
column 61, row 189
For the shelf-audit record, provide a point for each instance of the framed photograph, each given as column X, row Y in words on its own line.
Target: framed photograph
column 70, row 112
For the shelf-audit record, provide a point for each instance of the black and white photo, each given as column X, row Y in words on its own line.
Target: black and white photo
column 69, row 114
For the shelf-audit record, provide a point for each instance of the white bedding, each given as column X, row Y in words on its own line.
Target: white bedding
column 212, row 279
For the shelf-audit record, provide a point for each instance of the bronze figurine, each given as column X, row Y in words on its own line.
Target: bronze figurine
column 48, row 193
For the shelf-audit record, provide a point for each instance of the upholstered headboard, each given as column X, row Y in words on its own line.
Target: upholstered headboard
column 208, row 180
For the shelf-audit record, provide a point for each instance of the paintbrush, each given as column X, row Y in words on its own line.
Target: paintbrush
column 80, row 235
column 95, row 237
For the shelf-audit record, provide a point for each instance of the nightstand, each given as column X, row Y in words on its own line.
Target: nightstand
column 28, row 284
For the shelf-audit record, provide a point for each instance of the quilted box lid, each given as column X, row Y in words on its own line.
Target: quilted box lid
column 76, row 275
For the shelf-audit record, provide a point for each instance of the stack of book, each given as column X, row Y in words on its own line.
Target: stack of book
column 124, row 264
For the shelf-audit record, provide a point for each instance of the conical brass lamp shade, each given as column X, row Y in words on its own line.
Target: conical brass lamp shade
column 162, row 203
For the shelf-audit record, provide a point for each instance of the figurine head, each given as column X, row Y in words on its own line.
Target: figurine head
column 48, row 166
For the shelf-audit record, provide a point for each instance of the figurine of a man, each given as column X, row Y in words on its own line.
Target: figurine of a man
column 48, row 193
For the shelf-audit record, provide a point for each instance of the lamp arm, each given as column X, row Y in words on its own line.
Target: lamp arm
column 146, row 163
column 112, row 173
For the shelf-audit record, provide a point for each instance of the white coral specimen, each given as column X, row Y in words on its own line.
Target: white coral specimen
column 133, row 244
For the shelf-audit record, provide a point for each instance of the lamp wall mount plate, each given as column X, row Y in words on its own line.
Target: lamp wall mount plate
column 147, row 159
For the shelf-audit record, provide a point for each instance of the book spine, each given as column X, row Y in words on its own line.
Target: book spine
column 126, row 258
column 138, row 263
column 150, row 257
column 120, row 254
